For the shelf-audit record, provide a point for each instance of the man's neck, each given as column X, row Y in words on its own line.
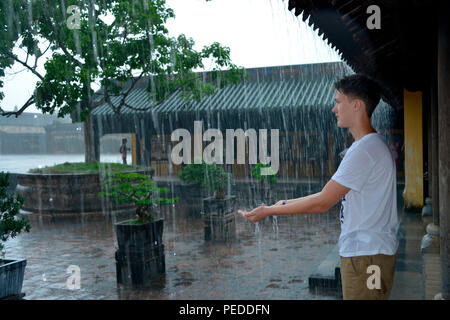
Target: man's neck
column 359, row 132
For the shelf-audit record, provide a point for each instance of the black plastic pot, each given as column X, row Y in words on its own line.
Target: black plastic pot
column 140, row 255
column 193, row 195
column 219, row 219
column 11, row 277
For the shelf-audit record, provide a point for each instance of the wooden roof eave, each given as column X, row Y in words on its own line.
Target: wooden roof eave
column 399, row 55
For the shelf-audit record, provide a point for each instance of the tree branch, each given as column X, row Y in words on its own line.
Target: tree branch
column 48, row 21
column 48, row 47
column 124, row 95
column 20, row 111
column 32, row 69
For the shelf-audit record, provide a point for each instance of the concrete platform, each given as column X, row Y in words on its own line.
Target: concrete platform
column 328, row 273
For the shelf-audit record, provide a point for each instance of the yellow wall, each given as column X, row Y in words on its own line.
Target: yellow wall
column 413, row 194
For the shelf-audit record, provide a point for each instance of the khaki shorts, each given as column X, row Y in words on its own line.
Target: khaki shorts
column 367, row 277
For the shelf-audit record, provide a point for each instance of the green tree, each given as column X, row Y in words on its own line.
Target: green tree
column 136, row 188
column 88, row 51
column 10, row 204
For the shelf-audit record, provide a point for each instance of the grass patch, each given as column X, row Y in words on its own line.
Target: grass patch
column 83, row 167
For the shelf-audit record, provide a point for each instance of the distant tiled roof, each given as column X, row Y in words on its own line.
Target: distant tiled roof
column 296, row 86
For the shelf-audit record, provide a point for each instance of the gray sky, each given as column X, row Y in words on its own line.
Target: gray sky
column 258, row 32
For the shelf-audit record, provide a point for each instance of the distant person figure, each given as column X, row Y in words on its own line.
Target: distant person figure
column 365, row 182
column 123, row 150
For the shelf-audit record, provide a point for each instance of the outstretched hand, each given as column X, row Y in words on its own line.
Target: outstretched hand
column 256, row 214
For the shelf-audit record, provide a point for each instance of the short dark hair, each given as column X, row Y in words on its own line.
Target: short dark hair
column 362, row 87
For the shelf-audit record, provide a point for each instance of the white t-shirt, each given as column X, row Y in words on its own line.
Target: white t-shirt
column 368, row 216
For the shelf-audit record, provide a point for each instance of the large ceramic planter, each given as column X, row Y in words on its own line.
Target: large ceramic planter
column 64, row 193
column 140, row 254
column 11, row 277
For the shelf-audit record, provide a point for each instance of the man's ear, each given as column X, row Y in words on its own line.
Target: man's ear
column 363, row 107
column 359, row 105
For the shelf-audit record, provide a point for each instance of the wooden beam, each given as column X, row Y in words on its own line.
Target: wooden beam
column 444, row 147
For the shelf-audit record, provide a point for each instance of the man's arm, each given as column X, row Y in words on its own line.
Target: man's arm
column 318, row 202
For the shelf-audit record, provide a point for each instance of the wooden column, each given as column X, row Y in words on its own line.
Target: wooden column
column 147, row 150
column 97, row 131
column 331, row 155
column 141, row 143
column 133, row 149
column 444, row 147
column 434, row 153
column 431, row 241
column 147, row 135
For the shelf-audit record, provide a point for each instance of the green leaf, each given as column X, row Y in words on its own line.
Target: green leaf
column 137, row 188
column 10, row 204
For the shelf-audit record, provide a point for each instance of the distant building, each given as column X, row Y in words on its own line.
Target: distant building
column 295, row 99
column 36, row 133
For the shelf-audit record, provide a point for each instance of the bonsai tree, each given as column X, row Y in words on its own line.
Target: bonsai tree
column 270, row 178
column 217, row 179
column 136, row 188
column 10, row 204
column 207, row 176
column 193, row 173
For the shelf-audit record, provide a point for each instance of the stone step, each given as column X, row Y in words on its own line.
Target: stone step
column 328, row 273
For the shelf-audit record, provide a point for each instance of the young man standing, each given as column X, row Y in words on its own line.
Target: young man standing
column 366, row 183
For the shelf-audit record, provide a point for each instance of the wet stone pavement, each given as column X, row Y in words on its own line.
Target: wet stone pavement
column 270, row 260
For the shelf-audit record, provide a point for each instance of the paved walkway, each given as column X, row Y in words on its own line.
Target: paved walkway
column 268, row 261
column 273, row 262
column 409, row 279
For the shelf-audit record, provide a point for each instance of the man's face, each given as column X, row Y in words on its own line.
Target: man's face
column 343, row 109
